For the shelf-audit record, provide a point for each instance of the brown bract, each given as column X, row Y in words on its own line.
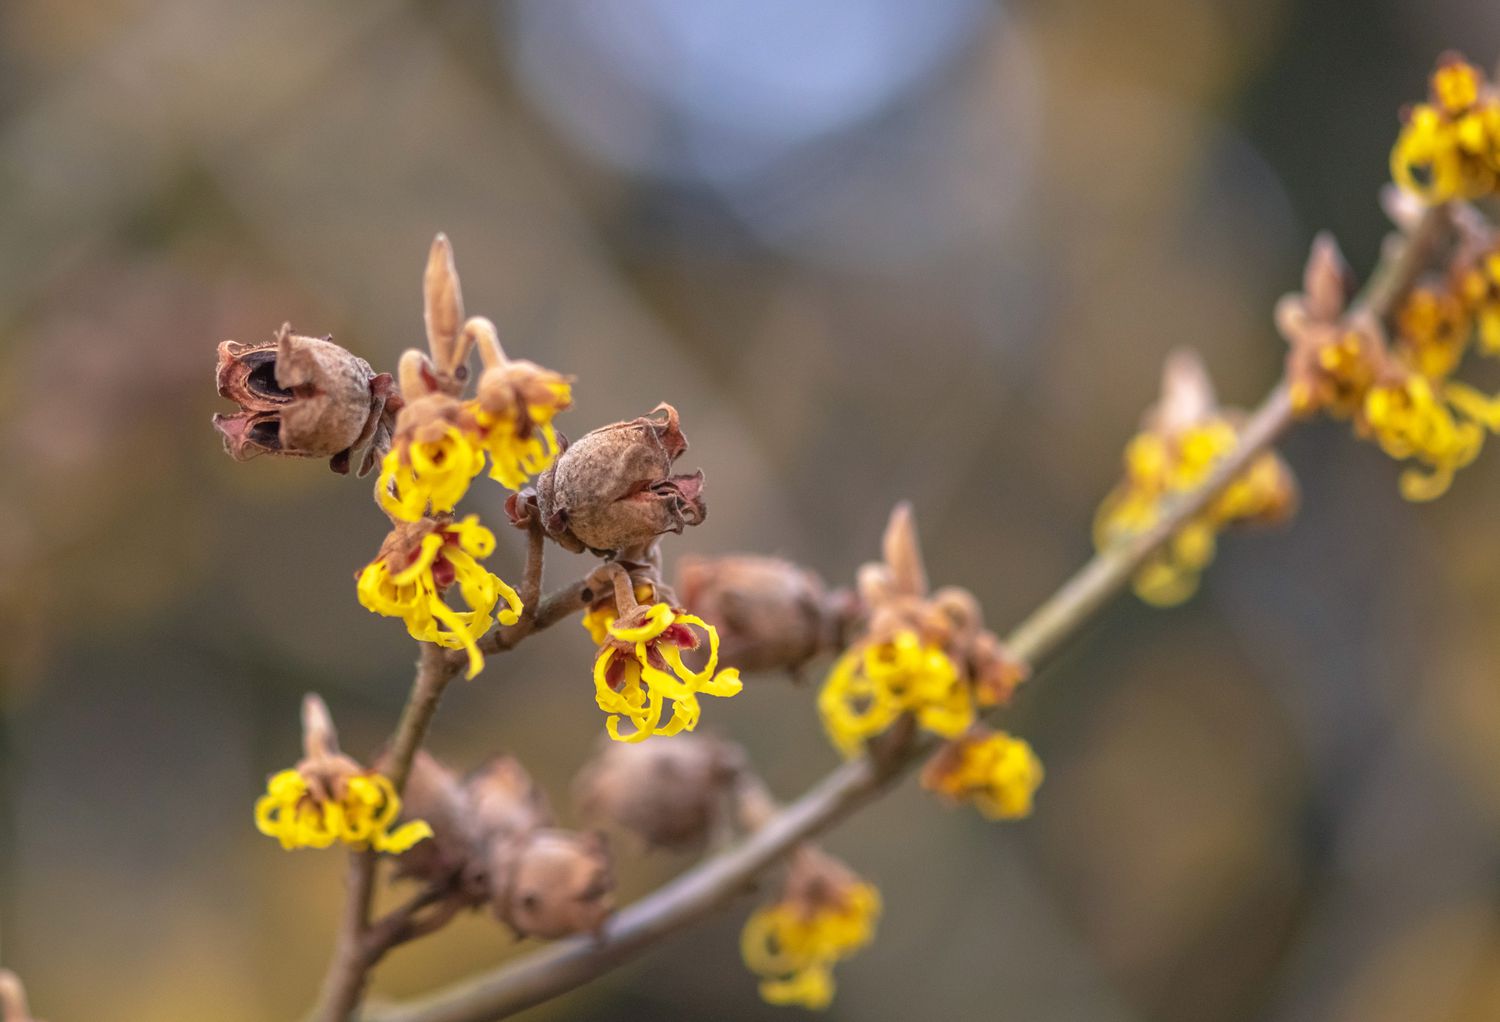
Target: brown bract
column 509, row 390
column 1332, row 358
column 495, row 841
column 305, row 397
column 894, row 594
column 429, row 417
column 771, row 614
column 612, row 489
column 325, row 769
column 670, row 794
column 816, row 880
column 402, row 544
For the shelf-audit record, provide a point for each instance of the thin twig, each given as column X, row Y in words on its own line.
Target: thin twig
column 359, row 946
column 550, row 609
column 571, row 962
column 348, row 971
column 407, row 922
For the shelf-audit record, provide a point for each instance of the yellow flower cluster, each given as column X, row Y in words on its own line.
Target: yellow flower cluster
column 1161, row 466
column 997, row 773
column 420, row 474
column 524, row 446
column 640, row 668
column 874, row 682
column 1416, row 411
column 359, row 812
column 1449, row 147
column 794, row 946
column 409, row 577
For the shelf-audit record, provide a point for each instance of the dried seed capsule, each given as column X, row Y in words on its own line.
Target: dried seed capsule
column 304, row 397
column 613, row 489
column 552, row 883
column 670, row 794
column 771, row 614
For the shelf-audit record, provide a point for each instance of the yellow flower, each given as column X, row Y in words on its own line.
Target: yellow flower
column 417, row 474
column 794, row 944
column 1480, row 288
column 1160, row 468
column 1450, row 148
column 418, row 564
column 357, row 810
column 1433, row 331
column 1455, row 86
column 1425, row 160
column 518, row 433
column 996, row 772
column 874, row 682
column 1411, row 420
column 639, row 670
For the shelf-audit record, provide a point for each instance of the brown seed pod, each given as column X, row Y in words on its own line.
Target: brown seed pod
column 550, row 883
column 304, row 397
column 505, row 802
column 770, row 614
column 613, row 489
column 669, row 794
column 436, row 794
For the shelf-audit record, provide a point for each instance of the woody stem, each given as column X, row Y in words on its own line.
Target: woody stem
column 348, row 972
column 569, row 963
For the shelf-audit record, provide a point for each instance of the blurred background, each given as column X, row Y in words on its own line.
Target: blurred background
column 872, row 249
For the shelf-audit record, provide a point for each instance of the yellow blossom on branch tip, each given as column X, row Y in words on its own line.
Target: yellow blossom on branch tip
column 1413, row 420
column 640, row 669
column 1450, row 148
column 793, row 946
column 1163, row 464
column 997, row 773
column 1433, row 329
column 418, row 564
column 358, row 810
column 874, row 682
column 417, row 474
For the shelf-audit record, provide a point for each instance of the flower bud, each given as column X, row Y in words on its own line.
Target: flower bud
column 552, row 883
column 670, row 794
column 771, row 614
column 613, row 488
column 304, row 397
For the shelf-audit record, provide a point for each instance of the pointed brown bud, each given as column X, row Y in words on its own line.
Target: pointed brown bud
column 552, row 883
column 1327, row 280
column 670, row 794
column 770, row 614
column 1187, row 394
column 613, row 488
column 903, row 553
column 304, row 397
column 443, row 314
